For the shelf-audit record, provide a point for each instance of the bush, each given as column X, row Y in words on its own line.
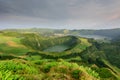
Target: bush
column 7, row 75
column 17, row 67
column 92, row 72
column 104, row 73
column 47, row 67
column 76, row 74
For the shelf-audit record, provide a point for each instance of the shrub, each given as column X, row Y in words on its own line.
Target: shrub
column 76, row 74
column 7, row 75
column 104, row 73
column 48, row 66
column 92, row 72
column 17, row 67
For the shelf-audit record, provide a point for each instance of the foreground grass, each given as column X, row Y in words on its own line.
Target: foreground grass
column 18, row 69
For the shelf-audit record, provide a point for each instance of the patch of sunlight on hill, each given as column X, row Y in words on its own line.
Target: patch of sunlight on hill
column 4, row 39
column 5, row 49
column 10, row 41
column 11, row 45
column 85, row 41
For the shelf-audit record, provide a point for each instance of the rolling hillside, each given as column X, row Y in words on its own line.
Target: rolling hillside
column 24, row 54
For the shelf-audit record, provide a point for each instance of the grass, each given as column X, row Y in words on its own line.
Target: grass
column 11, row 45
column 68, row 55
column 5, row 49
column 81, row 46
column 85, row 41
column 33, row 58
column 5, row 39
column 76, row 59
column 115, row 71
column 45, row 66
column 18, row 69
column 66, row 71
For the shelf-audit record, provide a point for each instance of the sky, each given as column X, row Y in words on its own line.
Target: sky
column 60, row 14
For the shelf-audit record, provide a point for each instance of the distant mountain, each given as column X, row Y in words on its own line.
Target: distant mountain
column 88, row 33
column 108, row 33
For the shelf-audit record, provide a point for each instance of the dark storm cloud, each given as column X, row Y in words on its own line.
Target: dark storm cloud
column 3, row 8
column 34, row 8
column 77, row 13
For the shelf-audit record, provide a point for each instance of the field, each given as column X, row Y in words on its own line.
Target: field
column 12, row 45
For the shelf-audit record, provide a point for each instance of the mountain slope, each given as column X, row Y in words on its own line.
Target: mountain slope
column 23, row 54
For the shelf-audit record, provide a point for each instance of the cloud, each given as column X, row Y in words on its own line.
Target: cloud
column 88, row 13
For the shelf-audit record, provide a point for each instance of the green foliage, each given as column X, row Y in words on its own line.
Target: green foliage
column 24, row 70
column 91, row 72
column 104, row 73
column 41, row 43
column 104, row 55
column 11, row 33
column 17, row 67
column 39, row 62
column 72, row 70
column 40, row 65
column 17, row 70
column 76, row 74
column 7, row 75
column 47, row 67
column 6, row 57
column 33, row 58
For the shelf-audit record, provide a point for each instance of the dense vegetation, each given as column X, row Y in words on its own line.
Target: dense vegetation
column 18, row 69
column 40, row 43
column 30, row 55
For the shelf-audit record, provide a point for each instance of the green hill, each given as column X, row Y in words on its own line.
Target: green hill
column 33, row 56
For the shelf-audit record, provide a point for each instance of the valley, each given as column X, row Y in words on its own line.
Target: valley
column 38, row 54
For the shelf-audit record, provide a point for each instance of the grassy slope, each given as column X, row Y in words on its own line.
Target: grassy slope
column 69, row 55
column 115, row 70
column 11, row 45
column 104, row 55
column 43, row 70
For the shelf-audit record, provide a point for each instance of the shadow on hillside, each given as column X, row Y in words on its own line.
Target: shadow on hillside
column 7, row 57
